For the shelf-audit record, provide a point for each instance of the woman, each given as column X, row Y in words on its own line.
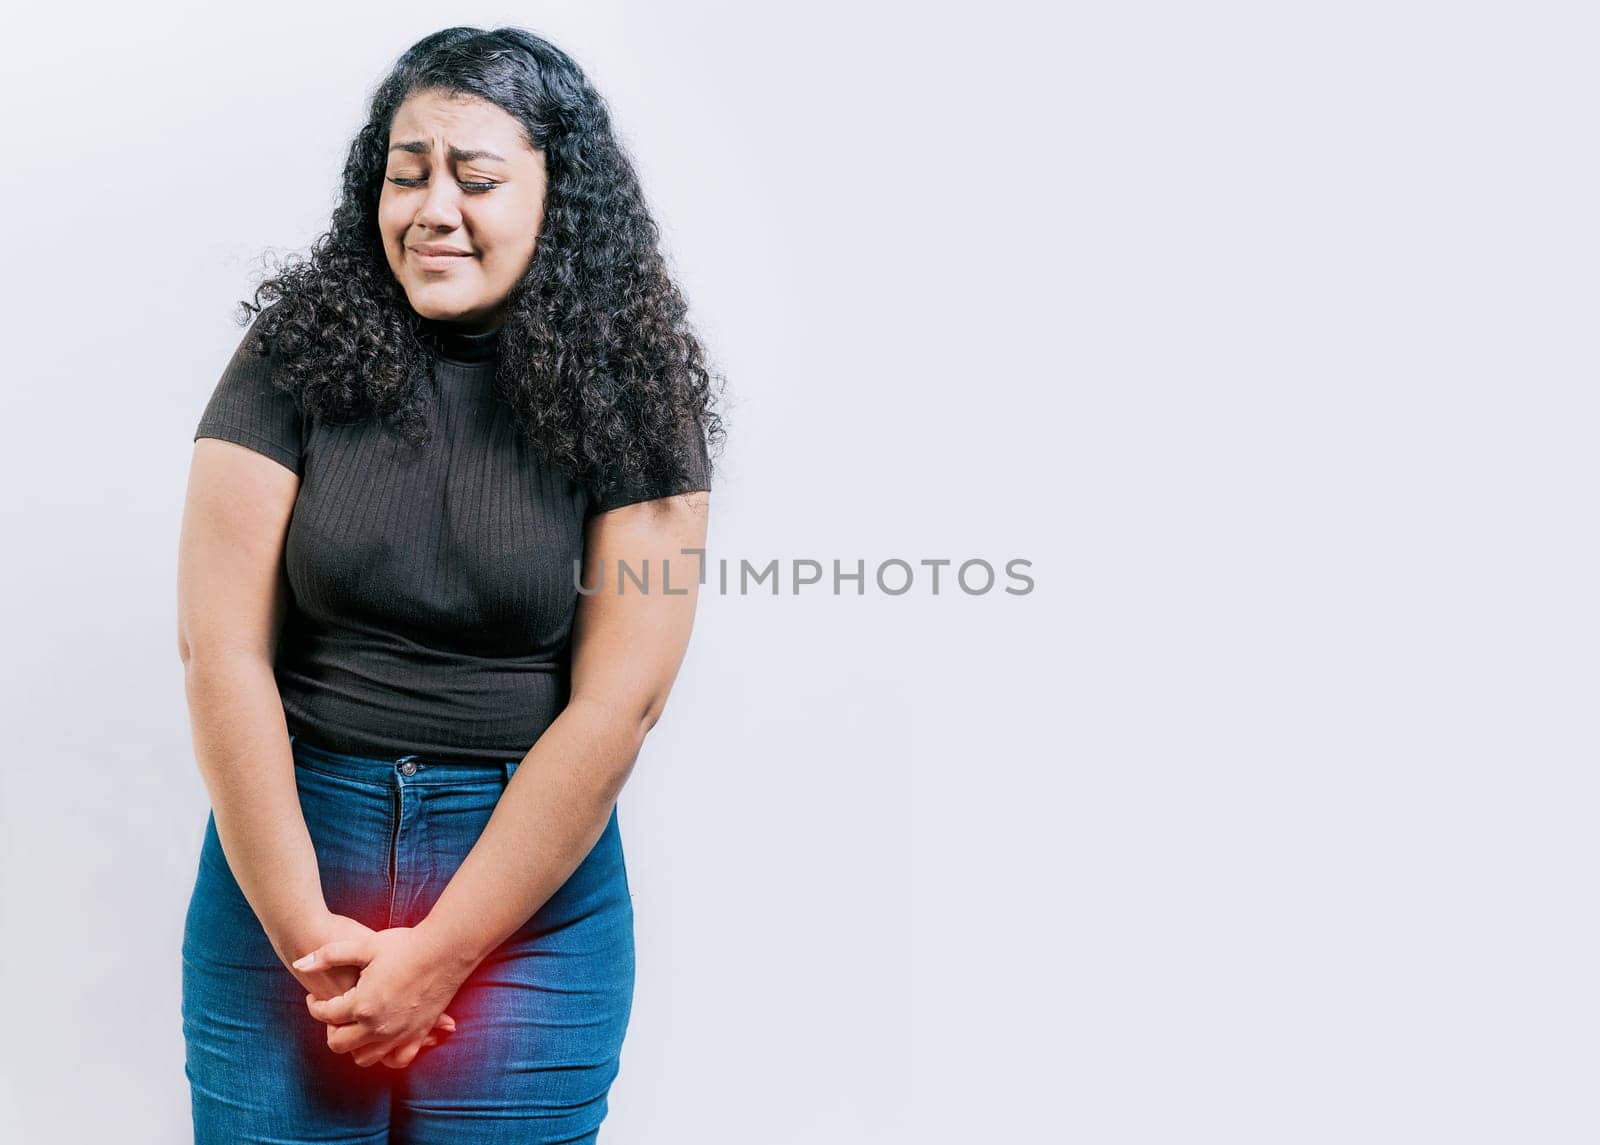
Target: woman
column 412, row 724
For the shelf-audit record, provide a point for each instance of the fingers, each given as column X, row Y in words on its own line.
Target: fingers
column 399, row 1059
column 337, row 1011
column 330, row 983
column 327, row 983
column 371, row 1055
column 367, row 1046
column 356, row 1040
column 347, row 1031
column 345, row 952
column 396, row 1055
column 340, row 1011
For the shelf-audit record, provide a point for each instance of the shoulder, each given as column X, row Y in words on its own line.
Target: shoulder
column 251, row 404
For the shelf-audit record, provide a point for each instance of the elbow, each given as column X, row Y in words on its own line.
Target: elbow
column 206, row 655
column 622, row 723
column 186, row 646
column 648, row 718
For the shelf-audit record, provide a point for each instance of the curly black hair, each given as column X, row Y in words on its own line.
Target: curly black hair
column 597, row 359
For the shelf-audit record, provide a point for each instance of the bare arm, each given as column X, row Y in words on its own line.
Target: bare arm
column 232, row 599
column 626, row 650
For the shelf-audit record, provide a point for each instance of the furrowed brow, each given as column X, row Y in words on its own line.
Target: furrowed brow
column 456, row 154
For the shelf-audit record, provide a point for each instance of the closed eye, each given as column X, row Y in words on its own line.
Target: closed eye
column 475, row 188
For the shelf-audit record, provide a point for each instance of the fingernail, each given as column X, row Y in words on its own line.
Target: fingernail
column 305, row 962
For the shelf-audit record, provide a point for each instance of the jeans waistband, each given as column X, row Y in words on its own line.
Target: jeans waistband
column 419, row 769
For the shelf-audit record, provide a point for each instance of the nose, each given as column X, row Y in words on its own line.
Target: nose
column 441, row 209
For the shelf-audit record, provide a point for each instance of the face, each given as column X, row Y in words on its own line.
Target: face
column 462, row 203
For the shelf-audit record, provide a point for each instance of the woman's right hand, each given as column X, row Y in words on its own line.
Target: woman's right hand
column 335, row 980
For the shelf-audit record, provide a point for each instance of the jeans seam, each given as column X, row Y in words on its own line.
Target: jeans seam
column 301, row 762
column 396, row 820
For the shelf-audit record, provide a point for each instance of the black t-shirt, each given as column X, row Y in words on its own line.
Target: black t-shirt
column 433, row 590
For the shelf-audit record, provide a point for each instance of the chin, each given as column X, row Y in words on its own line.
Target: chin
column 428, row 299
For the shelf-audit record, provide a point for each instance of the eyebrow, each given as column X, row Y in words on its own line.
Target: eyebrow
column 456, row 154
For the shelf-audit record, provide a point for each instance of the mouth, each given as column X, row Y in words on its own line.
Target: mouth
column 429, row 260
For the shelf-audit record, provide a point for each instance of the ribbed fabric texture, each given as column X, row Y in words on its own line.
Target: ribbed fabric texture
column 433, row 586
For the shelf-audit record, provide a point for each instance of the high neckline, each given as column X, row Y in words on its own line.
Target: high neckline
column 453, row 344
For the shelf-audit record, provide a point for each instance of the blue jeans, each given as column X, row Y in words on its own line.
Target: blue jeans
column 539, row 1023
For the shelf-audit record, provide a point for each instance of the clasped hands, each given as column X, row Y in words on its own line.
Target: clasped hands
column 397, row 984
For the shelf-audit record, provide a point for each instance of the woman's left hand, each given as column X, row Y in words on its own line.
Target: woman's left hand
column 405, row 985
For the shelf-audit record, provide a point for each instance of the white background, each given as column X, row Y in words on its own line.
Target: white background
column 1266, row 332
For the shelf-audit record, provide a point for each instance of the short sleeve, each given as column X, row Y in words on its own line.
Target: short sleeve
column 246, row 408
column 606, row 495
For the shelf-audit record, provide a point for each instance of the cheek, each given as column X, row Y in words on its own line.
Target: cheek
column 510, row 249
column 392, row 221
column 515, row 223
